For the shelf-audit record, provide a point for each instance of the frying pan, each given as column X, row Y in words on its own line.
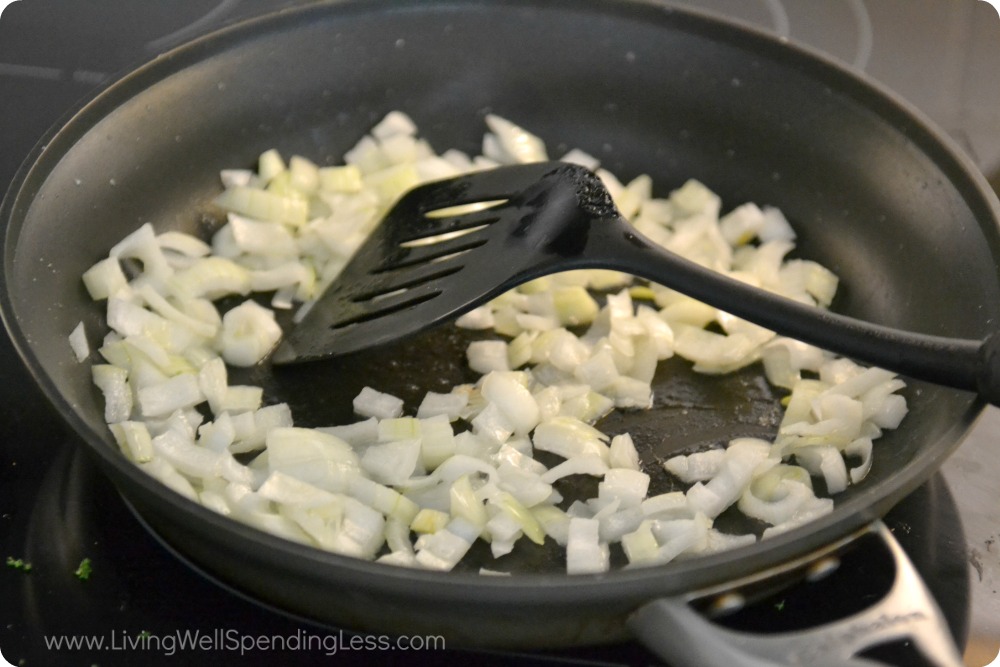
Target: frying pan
column 875, row 192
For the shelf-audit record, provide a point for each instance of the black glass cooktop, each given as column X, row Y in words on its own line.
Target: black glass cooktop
column 139, row 601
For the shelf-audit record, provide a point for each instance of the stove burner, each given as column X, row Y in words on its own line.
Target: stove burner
column 138, row 587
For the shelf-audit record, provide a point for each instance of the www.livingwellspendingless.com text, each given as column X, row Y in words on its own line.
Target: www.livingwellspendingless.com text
column 233, row 640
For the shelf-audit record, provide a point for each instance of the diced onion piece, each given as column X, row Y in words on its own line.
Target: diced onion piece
column 861, row 447
column 625, row 485
column 465, row 504
column 570, row 437
column 488, row 355
column 585, row 553
column 742, row 224
column 78, row 342
column 212, row 277
column 696, row 467
column 269, row 165
column 134, row 439
column 449, row 405
column 586, row 464
column 384, row 499
column 176, row 393
column 640, row 545
column 391, row 463
column 372, row 403
column 437, row 441
column 693, row 197
column 312, row 456
column 712, row 352
column 184, row 244
column 492, row 424
column 513, row 143
column 161, row 306
column 811, row 509
column 261, row 238
column 429, row 521
column 443, row 549
column 827, row 461
column 398, row 428
column 776, row 496
column 105, row 279
column 477, row 319
column 671, row 505
column 776, row 227
column 303, row 175
column 357, row 434
column 264, row 205
column 167, row 475
column 249, row 333
column 142, row 245
column 346, row 178
column 743, row 455
column 512, row 398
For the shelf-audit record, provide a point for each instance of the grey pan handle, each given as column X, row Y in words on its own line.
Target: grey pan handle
column 685, row 638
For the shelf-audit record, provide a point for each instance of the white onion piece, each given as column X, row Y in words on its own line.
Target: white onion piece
column 508, row 392
column 585, row 553
column 78, row 342
column 449, row 405
column 184, row 244
column 671, row 505
column 570, row 438
column 134, row 440
column 105, row 279
column 180, row 391
column 625, row 485
column 512, row 143
column 391, row 462
column 825, row 461
column 696, row 467
column 249, row 333
column 861, row 447
column 373, row 403
column 622, row 453
column 443, row 549
column 488, row 355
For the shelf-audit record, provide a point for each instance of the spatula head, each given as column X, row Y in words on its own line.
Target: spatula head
column 429, row 262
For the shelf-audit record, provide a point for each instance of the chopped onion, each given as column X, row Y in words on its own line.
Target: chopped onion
column 249, row 332
column 78, row 342
column 585, row 553
column 372, row 403
column 464, row 467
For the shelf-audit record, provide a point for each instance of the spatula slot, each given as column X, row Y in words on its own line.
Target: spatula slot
column 464, row 209
column 409, row 280
column 388, row 305
column 440, row 238
column 407, row 257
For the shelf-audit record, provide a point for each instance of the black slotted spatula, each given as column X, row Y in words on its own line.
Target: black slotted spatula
column 426, row 265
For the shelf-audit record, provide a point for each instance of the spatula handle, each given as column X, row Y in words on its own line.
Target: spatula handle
column 972, row 365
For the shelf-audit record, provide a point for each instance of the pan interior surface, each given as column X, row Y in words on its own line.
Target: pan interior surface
column 874, row 193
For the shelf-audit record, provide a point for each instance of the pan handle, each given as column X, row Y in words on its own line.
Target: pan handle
column 675, row 631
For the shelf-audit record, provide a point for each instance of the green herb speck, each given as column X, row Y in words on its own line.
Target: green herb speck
column 18, row 564
column 83, row 570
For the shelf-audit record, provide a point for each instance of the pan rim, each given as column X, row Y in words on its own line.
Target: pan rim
column 846, row 518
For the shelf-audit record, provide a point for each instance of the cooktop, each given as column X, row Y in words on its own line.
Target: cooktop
column 103, row 590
